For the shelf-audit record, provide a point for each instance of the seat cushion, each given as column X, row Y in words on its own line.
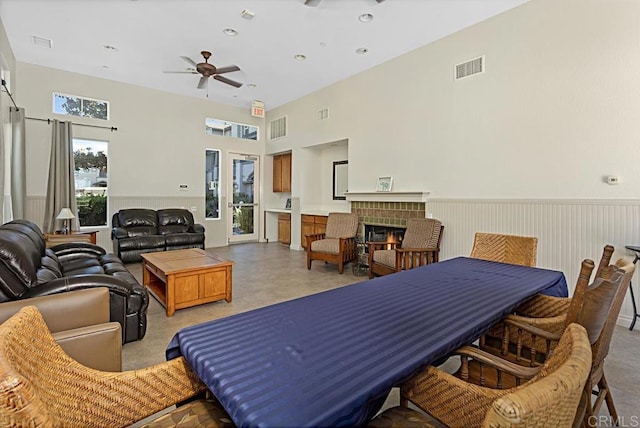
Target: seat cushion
column 329, row 245
column 142, row 243
column 176, row 239
column 196, row 414
column 385, row 257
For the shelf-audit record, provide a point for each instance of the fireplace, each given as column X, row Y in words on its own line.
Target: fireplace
column 377, row 233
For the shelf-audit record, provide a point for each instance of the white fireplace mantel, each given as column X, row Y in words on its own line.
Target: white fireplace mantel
column 387, row 196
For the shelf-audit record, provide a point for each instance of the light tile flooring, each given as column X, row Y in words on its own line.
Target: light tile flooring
column 264, row 274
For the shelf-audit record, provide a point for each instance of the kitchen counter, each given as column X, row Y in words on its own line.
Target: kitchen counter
column 277, row 210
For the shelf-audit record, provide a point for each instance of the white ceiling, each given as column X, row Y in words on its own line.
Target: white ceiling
column 152, row 35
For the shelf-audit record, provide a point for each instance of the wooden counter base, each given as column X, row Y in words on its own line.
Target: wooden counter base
column 185, row 278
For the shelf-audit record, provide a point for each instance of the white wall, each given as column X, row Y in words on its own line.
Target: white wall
column 556, row 110
column 160, row 142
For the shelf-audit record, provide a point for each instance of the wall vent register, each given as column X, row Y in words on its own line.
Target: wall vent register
column 469, row 68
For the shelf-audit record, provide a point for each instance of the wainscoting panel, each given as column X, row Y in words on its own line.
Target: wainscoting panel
column 568, row 231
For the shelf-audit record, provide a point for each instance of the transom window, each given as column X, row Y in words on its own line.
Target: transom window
column 230, row 129
column 74, row 105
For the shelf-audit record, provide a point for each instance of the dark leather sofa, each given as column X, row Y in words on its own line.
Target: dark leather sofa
column 138, row 230
column 29, row 269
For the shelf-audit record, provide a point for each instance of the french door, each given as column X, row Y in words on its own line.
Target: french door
column 243, row 179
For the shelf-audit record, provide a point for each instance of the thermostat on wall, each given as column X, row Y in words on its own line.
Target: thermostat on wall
column 183, row 187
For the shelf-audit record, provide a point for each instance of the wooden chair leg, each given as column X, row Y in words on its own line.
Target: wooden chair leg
column 308, row 261
column 604, row 386
column 589, row 418
column 340, row 267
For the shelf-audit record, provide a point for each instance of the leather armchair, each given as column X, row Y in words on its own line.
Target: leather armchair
column 88, row 336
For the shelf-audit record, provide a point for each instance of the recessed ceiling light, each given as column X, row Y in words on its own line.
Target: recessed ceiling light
column 247, row 14
column 230, row 32
column 110, row 48
column 251, row 85
column 365, row 17
column 361, row 51
column 105, row 66
column 300, row 57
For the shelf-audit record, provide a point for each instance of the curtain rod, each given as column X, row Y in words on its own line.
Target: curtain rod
column 111, row 128
column 4, row 83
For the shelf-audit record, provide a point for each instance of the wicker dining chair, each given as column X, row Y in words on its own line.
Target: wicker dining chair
column 528, row 341
column 420, row 246
column 517, row 250
column 40, row 385
column 337, row 244
column 548, row 396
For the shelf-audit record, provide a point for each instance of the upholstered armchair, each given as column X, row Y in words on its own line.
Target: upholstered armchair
column 420, row 246
column 337, row 244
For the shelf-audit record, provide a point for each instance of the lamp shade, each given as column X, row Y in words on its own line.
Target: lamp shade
column 65, row 214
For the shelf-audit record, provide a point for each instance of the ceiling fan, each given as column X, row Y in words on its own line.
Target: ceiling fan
column 314, row 3
column 207, row 70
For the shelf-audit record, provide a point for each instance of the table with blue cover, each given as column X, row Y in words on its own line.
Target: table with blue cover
column 330, row 359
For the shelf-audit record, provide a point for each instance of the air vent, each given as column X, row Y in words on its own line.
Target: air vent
column 278, row 128
column 323, row 114
column 42, row 42
column 469, row 68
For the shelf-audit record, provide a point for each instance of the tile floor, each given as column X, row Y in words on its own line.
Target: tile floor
column 264, row 274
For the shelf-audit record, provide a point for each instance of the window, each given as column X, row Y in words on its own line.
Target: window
column 230, row 129
column 91, row 163
column 74, row 105
column 212, row 184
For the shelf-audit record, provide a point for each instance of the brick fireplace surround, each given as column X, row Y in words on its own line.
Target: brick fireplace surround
column 386, row 213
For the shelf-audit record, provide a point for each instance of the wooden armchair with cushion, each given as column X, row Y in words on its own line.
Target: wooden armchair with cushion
column 420, row 246
column 517, row 250
column 337, row 244
column 42, row 386
column 546, row 396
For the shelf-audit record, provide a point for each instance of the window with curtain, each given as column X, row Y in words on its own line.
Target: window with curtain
column 91, row 163
column 212, row 184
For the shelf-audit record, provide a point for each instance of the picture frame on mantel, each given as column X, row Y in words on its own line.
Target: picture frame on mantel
column 384, row 184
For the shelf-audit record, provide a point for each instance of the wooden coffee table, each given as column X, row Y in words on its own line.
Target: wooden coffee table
column 183, row 278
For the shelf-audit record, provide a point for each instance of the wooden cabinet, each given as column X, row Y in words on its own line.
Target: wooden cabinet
column 284, row 228
column 312, row 224
column 282, row 173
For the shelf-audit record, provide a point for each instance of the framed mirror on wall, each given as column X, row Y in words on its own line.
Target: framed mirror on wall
column 340, row 180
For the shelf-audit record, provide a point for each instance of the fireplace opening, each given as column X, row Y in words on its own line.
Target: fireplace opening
column 376, row 233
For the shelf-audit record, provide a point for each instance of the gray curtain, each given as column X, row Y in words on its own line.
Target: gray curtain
column 61, row 190
column 18, row 163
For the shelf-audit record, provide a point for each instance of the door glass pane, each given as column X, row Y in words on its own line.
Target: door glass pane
column 91, row 167
column 243, row 196
column 212, row 183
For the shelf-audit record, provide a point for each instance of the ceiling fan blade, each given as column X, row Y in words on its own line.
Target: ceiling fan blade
column 312, row 3
column 181, row 72
column 379, row 1
column 189, row 60
column 227, row 69
column 227, row 81
column 203, row 82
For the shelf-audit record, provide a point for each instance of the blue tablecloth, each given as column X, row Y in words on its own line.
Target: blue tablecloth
column 330, row 359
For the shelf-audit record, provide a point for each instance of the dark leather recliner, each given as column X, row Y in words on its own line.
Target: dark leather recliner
column 137, row 231
column 29, row 269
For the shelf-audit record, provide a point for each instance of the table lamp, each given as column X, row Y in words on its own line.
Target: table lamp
column 66, row 215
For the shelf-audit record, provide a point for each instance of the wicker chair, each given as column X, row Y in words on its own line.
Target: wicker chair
column 517, row 250
column 337, row 244
column 549, row 395
column 420, row 246
column 40, row 385
column 597, row 307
